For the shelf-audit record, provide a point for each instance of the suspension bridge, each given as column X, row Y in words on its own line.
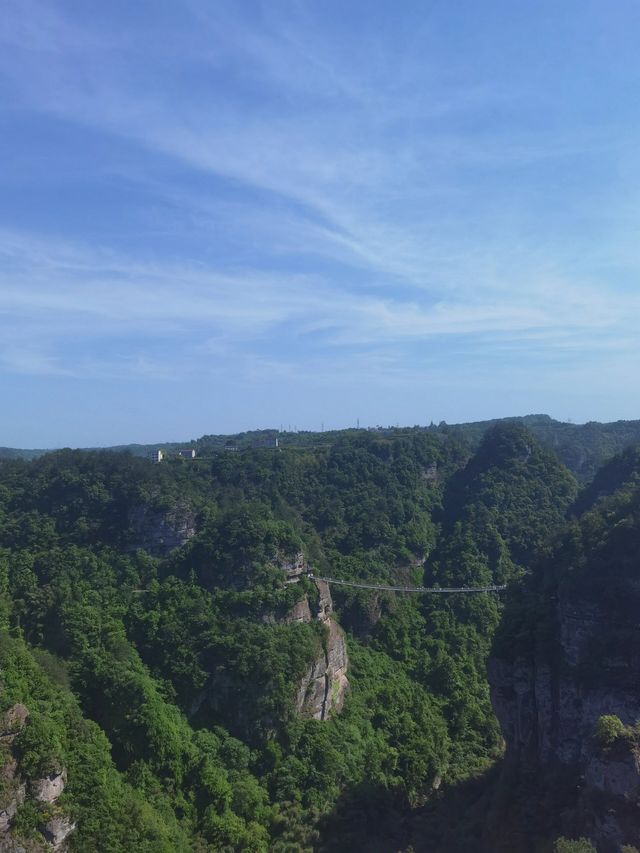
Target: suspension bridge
column 421, row 590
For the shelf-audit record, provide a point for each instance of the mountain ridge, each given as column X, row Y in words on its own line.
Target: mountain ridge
column 583, row 448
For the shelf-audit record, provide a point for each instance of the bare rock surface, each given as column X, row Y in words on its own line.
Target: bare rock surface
column 10, row 810
column 13, row 793
column 48, row 788
column 300, row 612
column 42, row 792
column 293, row 566
column 57, row 829
column 161, row 531
column 13, row 721
column 322, row 688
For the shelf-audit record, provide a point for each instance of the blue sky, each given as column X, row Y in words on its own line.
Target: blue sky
column 226, row 215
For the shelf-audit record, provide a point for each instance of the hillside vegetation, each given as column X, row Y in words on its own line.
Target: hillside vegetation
column 147, row 629
column 583, row 448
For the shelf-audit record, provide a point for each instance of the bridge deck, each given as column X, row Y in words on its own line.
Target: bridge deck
column 438, row 590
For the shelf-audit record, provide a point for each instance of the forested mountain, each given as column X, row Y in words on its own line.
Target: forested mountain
column 583, row 448
column 172, row 678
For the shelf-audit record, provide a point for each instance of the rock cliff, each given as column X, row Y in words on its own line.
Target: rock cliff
column 244, row 702
column 161, row 531
column 569, row 655
column 323, row 686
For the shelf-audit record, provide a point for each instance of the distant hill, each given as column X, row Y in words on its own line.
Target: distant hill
column 141, row 450
column 582, row 447
column 15, row 453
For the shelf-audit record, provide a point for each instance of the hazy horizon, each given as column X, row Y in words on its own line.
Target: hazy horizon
column 288, row 428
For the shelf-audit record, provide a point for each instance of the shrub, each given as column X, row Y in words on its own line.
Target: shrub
column 579, row 845
column 609, row 728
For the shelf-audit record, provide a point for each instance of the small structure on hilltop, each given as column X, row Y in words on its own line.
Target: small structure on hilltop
column 270, row 443
column 156, row 455
column 188, row 453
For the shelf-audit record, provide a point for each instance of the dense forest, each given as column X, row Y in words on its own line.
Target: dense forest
column 168, row 663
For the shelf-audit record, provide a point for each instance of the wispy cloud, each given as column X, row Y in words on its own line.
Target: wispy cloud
column 59, row 293
column 372, row 166
column 304, row 197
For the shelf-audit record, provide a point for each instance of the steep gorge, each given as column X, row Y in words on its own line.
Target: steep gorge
column 566, row 665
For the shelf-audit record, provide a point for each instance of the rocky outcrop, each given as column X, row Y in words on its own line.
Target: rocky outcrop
column 322, row 688
column 57, row 829
column 49, row 788
column 12, row 722
column 13, row 795
column 300, row 612
column 12, row 789
column 293, row 566
column 564, row 680
column 430, row 473
column 161, row 531
column 615, row 771
column 42, row 792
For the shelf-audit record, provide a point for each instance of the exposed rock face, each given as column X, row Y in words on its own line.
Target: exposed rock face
column 14, row 798
column 160, row 532
column 57, row 830
column 43, row 793
column 324, row 605
column 300, row 612
column 431, row 472
column 322, row 688
column 294, row 566
column 49, row 788
column 548, row 704
column 12, row 722
column 616, row 772
column 13, row 793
